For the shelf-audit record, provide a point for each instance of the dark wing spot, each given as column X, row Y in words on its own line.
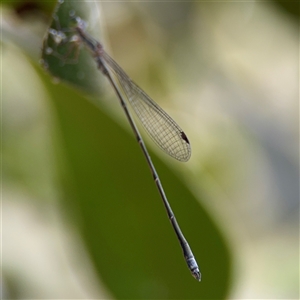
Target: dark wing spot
column 184, row 137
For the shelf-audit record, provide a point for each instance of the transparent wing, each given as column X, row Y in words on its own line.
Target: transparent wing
column 160, row 126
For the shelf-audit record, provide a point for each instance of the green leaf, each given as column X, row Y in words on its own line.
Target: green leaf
column 61, row 55
column 115, row 204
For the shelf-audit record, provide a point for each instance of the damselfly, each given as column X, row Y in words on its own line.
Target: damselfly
column 160, row 126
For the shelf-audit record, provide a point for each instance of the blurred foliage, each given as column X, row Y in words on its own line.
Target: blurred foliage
column 24, row 8
column 291, row 7
column 228, row 72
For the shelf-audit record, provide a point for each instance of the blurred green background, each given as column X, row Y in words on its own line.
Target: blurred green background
column 81, row 216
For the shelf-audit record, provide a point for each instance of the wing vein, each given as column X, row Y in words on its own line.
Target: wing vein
column 163, row 130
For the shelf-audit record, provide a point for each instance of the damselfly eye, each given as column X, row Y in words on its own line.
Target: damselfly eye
column 77, row 22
